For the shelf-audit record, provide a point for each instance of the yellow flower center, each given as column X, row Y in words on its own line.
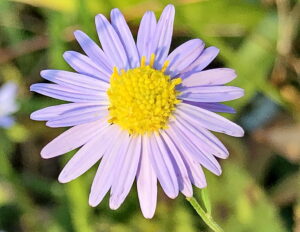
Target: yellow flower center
column 142, row 99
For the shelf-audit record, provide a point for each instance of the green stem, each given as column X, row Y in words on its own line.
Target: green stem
column 205, row 216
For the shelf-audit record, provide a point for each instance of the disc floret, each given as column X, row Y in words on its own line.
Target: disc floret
column 142, row 99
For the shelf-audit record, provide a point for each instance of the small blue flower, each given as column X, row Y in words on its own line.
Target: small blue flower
column 145, row 113
column 8, row 104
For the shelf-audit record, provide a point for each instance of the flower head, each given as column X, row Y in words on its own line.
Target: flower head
column 8, row 104
column 144, row 112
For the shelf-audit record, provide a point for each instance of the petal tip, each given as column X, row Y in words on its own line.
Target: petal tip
column 203, row 185
column 170, row 6
column 115, row 11
column 51, row 124
column 32, row 88
column 79, row 35
column 99, row 17
column 224, row 155
column 78, row 32
column 219, row 172
column 62, row 179
column 67, row 54
column 148, row 215
column 92, row 202
column 216, row 50
column 241, row 133
column 172, row 195
column 45, row 154
column 113, row 204
column 187, row 192
column 33, row 116
column 43, row 73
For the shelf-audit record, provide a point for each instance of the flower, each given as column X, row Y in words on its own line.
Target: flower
column 8, row 105
column 144, row 112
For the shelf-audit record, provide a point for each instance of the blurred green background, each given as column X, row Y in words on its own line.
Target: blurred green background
column 260, row 185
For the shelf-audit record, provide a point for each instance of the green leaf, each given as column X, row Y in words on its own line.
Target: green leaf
column 206, row 200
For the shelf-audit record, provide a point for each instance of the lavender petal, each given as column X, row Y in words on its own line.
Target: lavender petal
column 183, row 56
column 146, row 34
column 217, row 76
column 146, row 183
column 111, row 42
column 205, row 58
column 163, row 36
column 84, row 65
column 125, row 173
column 211, row 93
column 72, row 139
column 210, row 120
column 94, row 52
column 122, row 29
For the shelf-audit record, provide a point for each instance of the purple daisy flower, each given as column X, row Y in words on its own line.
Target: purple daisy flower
column 146, row 113
column 8, row 104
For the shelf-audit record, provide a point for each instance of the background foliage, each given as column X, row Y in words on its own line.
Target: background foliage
column 259, row 188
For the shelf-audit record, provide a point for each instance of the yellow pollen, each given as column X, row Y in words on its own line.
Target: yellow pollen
column 152, row 59
column 142, row 99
